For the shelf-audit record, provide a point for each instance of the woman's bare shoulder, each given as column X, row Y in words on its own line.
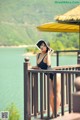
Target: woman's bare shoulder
column 37, row 55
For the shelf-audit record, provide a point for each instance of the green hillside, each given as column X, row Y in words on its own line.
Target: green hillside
column 19, row 18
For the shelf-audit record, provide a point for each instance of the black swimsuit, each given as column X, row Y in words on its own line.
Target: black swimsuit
column 44, row 66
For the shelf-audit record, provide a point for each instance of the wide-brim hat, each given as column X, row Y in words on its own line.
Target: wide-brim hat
column 42, row 41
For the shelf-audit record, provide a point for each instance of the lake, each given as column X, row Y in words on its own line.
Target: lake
column 11, row 75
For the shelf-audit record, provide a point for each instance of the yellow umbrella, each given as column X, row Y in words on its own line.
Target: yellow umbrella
column 69, row 22
column 58, row 27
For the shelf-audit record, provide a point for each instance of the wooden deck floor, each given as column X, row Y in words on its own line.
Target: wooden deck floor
column 71, row 116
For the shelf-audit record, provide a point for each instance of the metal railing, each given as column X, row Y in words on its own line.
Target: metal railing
column 37, row 87
column 67, row 51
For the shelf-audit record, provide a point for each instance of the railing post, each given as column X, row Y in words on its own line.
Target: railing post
column 41, row 95
column 69, row 84
column 26, row 91
column 35, row 94
column 57, row 58
column 55, row 99
column 62, row 93
column 78, row 58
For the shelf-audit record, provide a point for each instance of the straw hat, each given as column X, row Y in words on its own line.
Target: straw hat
column 42, row 41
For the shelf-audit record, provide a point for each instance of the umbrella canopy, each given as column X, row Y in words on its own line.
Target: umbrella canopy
column 71, row 20
column 72, row 16
column 68, row 22
column 58, row 27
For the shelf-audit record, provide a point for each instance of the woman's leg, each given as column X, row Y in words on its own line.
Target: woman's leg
column 51, row 96
column 58, row 95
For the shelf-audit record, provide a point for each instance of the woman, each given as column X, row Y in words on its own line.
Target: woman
column 44, row 62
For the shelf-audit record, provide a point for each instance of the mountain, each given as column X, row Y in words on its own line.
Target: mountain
column 19, row 18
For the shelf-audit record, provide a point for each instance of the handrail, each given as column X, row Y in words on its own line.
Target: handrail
column 67, row 51
column 54, row 71
column 59, row 51
column 64, row 67
column 32, row 85
column 67, row 66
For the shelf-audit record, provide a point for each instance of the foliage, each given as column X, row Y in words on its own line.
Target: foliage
column 18, row 21
column 32, row 49
column 13, row 112
column 56, row 45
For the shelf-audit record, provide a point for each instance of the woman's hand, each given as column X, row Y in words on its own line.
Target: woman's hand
column 49, row 57
column 50, row 51
column 35, row 67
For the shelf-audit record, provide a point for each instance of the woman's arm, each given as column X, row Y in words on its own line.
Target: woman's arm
column 35, row 67
column 48, row 59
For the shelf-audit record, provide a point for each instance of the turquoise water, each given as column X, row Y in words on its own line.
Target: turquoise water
column 11, row 75
column 11, row 78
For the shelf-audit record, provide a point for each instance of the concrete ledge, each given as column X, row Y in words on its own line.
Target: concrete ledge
column 77, row 83
column 71, row 116
column 76, row 102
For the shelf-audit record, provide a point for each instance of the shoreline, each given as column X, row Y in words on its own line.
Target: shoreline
column 32, row 54
column 19, row 46
column 63, row 54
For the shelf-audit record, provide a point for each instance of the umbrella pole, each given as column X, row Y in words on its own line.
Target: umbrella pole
column 79, row 37
column 78, row 54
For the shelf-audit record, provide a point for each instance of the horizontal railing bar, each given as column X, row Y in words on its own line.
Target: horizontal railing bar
column 64, row 67
column 67, row 51
column 54, row 71
column 67, row 66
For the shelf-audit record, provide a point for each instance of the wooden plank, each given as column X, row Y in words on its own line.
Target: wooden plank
column 71, row 116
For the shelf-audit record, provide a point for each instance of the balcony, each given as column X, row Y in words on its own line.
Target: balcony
column 37, row 87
